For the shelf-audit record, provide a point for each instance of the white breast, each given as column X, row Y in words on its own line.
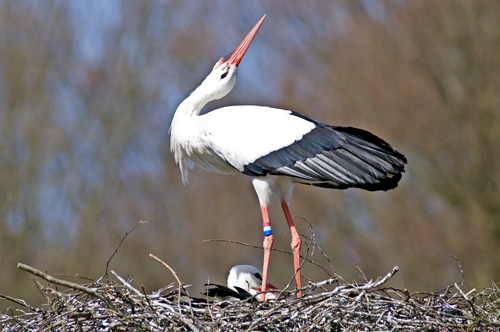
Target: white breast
column 227, row 139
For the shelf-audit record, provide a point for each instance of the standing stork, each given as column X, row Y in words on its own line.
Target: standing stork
column 276, row 148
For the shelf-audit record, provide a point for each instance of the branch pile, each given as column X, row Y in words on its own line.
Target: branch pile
column 117, row 306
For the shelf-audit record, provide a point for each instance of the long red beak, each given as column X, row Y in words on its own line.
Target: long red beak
column 269, row 287
column 237, row 55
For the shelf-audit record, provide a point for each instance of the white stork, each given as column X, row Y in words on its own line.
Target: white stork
column 276, row 148
column 243, row 282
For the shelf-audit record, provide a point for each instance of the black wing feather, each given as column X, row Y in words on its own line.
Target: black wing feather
column 226, row 292
column 335, row 157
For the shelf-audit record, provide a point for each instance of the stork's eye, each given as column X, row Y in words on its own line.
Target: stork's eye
column 258, row 276
column 223, row 75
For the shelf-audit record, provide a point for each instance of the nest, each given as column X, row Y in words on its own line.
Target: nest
column 115, row 305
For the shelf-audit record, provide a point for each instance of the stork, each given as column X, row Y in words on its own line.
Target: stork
column 277, row 148
column 243, row 282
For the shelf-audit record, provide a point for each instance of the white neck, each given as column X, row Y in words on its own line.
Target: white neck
column 183, row 130
column 192, row 105
column 212, row 88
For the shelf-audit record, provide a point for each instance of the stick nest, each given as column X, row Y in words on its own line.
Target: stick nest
column 115, row 305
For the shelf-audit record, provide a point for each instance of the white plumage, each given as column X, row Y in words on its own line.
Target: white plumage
column 233, row 136
column 248, row 278
column 243, row 282
column 277, row 148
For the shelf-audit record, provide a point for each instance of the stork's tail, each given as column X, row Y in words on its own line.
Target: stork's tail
column 364, row 161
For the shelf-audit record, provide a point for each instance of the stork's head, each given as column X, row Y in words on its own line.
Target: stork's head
column 223, row 76
column 248, row 278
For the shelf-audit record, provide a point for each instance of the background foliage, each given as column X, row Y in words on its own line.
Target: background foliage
column 88, row 89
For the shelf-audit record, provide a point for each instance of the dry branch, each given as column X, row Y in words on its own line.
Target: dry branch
column 65, row 283
column 119, row 244
column 354, row 307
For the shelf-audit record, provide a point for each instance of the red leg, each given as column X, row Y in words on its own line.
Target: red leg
column 268, row 244
column 296, row 242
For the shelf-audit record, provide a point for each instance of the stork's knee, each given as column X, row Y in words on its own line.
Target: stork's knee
column 296, row 243
column 268, row 241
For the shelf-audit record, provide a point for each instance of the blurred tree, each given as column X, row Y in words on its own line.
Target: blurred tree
column 87, row 91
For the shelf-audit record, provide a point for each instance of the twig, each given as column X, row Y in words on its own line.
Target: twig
column 126, row 284
column 316, row 285
column 66, row 284
column 181, row 285
column 38, row 288
column 274, row 249
column 381, row 281
column 147, row 299
column 313, row 236
column 466, row 298
column 362, row 288
column 319, row 248
column 119, row 244
column 461, row 269
column 295, row 272
column 18, row 301
column 363, row 274
column 76, row 276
